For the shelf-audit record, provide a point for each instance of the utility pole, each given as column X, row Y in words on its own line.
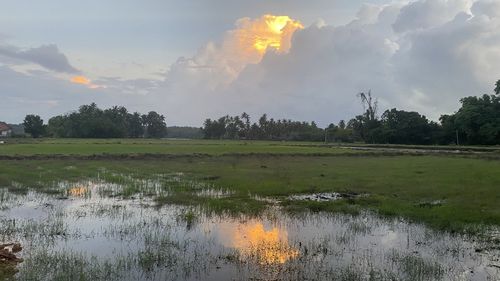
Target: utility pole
column 457, row 137
column 326, row 130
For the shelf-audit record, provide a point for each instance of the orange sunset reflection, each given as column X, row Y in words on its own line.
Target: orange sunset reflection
column 268, row 247
column 78, row 191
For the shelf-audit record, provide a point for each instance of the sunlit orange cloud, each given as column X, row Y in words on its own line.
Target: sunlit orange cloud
column 85, row 81
column 252, row 38
column 276, row 33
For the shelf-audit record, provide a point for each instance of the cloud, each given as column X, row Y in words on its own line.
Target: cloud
column 82, row 80
column 216, row 64
column 489, row 8
column 429, row 13
column 195, row 83
column 424, row 55
column 129, row 87
column 47, row 56
column 37, row 94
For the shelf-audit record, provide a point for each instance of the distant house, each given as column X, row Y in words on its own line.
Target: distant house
column 5, row 130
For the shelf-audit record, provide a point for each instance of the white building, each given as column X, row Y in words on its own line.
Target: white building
column 5, row 130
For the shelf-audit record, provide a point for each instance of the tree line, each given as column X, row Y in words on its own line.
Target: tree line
column 240, row 127
column 89, row 121
column 477, row 121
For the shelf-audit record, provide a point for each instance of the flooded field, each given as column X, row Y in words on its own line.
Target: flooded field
column 112, row 228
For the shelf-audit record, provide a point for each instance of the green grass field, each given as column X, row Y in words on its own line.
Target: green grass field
column 26, row 147
column 468, row 189
column 124, row 146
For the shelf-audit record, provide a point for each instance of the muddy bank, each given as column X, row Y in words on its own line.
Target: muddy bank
column 362, row 152
column 9, row 259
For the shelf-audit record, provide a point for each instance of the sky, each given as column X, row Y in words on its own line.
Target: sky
column 198, row 59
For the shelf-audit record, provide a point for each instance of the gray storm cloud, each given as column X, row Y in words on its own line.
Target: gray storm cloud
column 47, row 56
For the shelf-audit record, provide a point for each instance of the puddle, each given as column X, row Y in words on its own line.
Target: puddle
column 327, row 196
column 214, row 193
column 94, row 232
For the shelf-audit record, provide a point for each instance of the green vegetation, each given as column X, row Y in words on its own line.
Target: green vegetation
column 204, row 181
column 476, row 122
column 141, row 146
column 89, row 121
column 138, row 147
column 239, row 127
column 33, row 125
column 444, row 191
column 177, row 132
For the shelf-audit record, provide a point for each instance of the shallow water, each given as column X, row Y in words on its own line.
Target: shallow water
column 91, row 232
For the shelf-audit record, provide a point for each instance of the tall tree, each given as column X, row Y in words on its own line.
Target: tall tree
column 342, row 124
column 229, row 127
column 118, row 117
column 479, row 119
column 370, row 105
column 364, row 125
column 497, row 88
column 116, row 122
column 33, row 125
column 135, row 128
column 246, row 119
column 404, row 127
column 155, row 125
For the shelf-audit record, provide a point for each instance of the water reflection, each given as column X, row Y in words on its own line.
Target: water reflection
column 266, row 246
column 104, row 237
column 79, row 191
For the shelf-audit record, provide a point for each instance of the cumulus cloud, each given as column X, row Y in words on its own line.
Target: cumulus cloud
column 429, row 13
column 198, row 84
column 47, row 56
column 221, row 63
column 423, row 55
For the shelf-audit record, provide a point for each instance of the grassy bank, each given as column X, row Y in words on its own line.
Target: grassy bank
column 445, row 192
column 85, row 147
column 145, row 146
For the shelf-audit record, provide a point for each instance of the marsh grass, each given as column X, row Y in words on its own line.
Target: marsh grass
column 175, row 243
column 130, row 183
column 65, row 266
column 416, row 268
column 468, row 188
column 34, row 230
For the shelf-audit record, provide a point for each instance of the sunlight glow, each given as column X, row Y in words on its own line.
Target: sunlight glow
column 78, row 191
column 268, row 247
column 82, row 80
column 273, row 32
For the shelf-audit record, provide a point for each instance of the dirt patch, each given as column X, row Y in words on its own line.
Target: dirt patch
column 8, row 259
column 355, row 152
